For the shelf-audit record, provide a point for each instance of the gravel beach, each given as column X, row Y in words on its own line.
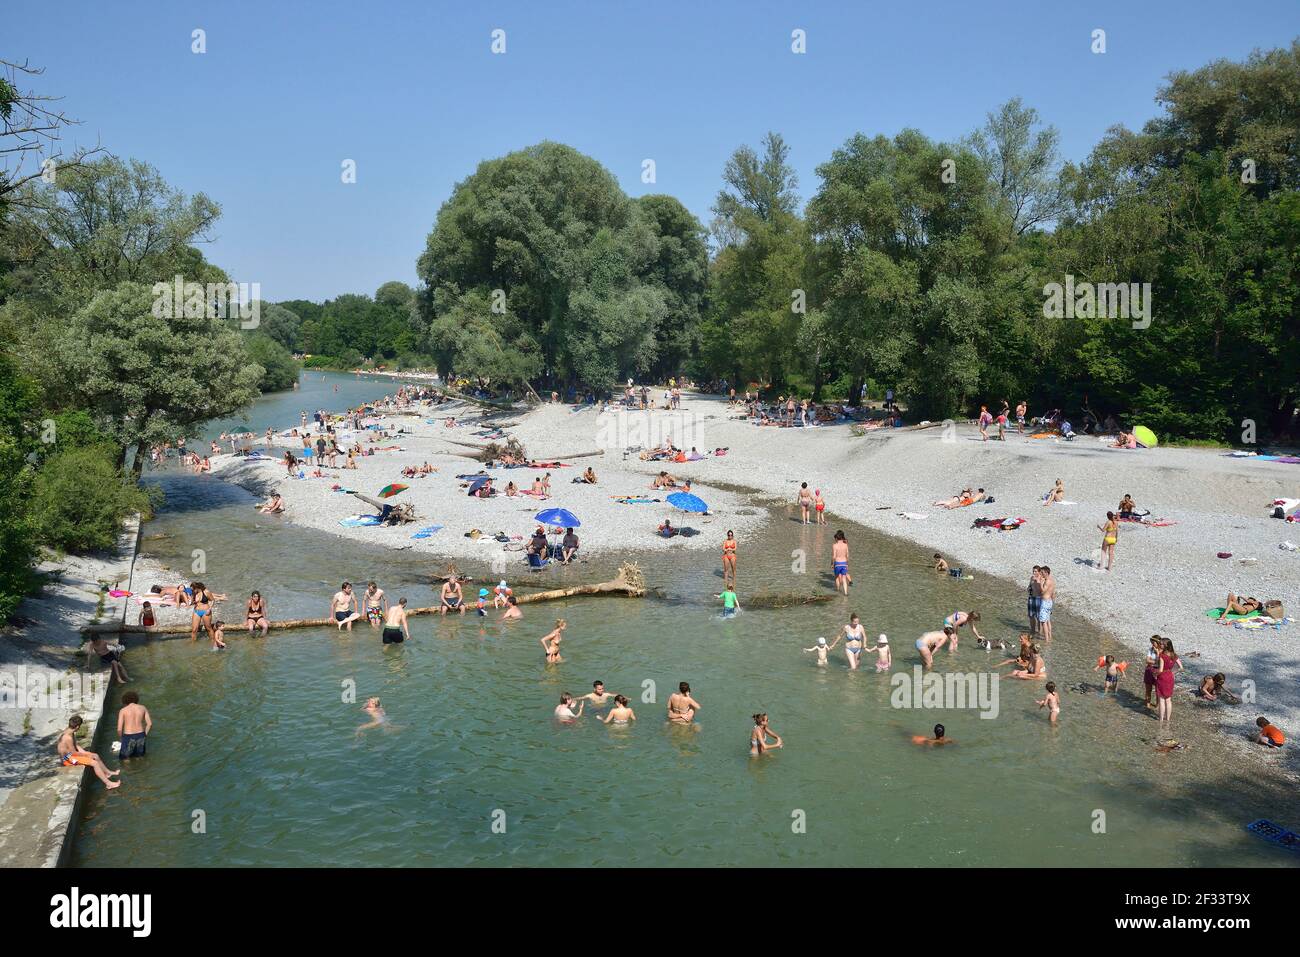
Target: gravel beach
column 1163, row 581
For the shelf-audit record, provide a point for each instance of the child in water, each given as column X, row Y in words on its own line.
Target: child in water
column 730, row 603
column 218, row 636
column 884, row 658
column 481, row 605
column 376, row 713
column 822, row 650
column 1113, row 671
column 1051, row 701
column 758, row 737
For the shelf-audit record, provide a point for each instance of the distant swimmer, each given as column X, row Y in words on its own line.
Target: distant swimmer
column 855, row 637
column 681, row 706
column 598, row 696
column 396, row 629
column 931, row 642
column 551, row 642
column 940, row 737
column 758, row 743
column 564, row 710
column 620, row 713
column 343, row 607
column 373, row 708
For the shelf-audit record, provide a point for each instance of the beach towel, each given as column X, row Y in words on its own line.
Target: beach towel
column 360, row 521
column 1216, row 612
column 1001, row 524
column 635, row 501
column 426, row 532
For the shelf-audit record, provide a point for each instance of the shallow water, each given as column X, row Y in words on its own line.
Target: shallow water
column 261, row 741
column 316, row 390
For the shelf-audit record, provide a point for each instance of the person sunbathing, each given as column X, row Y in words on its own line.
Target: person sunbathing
column 1057, row 494
column 964, row 497
column 1125, row 440
column 663, row 480
column 1240, row 606
column 512, row 490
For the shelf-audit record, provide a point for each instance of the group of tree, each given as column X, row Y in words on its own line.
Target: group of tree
column 916, row 264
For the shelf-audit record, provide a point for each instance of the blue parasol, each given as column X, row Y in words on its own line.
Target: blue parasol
column 557, row 516
column 687, row 502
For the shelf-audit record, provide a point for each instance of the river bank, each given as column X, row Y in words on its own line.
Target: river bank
column 1164, row 579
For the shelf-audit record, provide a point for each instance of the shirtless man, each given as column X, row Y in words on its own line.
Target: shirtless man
column 681, row 706
column 598, row 696
column 375, row 604
column 512, row 612
column 396, row 629
column 70, row 753
column 931, row 642
column 133, row 726
column 1048, row 591
column 452, row 597
column 343, row 607
column 840, row 563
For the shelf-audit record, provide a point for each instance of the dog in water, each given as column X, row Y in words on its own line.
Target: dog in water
column 991, row 644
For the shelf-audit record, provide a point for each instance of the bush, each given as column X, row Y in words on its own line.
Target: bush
column 80, row 499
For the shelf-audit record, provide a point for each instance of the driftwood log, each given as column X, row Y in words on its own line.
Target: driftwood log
column 629, row 582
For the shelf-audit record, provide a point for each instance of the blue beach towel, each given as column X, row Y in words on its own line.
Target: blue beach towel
column 427, row 532
column 360, row 521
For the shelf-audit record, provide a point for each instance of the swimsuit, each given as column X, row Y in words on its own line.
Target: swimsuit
column 133, row 745
column 341, row 615
column 1044, row 609
column 68, row 759
column 393, row 636
column 841, row 568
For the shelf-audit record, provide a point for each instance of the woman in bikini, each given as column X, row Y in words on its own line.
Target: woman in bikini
column 758, row 737
column 954, row 623
column 551, row 642
column 1057, row 494
column 202, row 612
column 620, row 713
column 681, row 706
column 805, row 501
column 255, row 614
column 1109, row 536
column 855, row 637
column 729, row 559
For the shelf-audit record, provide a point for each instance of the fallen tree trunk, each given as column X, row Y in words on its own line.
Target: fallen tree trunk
column 629, row 582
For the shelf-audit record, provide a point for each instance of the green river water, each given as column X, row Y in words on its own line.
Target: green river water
column 472, row 770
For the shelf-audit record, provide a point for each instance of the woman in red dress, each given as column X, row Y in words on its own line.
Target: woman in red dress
column 1165, row 667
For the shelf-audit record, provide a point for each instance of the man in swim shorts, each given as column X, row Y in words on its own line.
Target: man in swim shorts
column 376, row 604
column 395, row 627
column 452, row 597
column 343, row 607
column 1046, row 602
column 840, row 562
column 133, row 726
column 71, row 754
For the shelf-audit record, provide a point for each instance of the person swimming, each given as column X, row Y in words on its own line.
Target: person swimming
column 940, row 737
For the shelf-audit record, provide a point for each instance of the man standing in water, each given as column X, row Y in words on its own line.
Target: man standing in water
column 598, row 696
column 133, row 726
column 681, row 706
column 840, row 560
column 395, row 627
column 1045, row 604
column 343, row 606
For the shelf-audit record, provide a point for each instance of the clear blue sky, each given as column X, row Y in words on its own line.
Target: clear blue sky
column 412, row 92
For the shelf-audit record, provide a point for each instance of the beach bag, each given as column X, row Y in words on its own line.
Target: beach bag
column 1274, row 610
